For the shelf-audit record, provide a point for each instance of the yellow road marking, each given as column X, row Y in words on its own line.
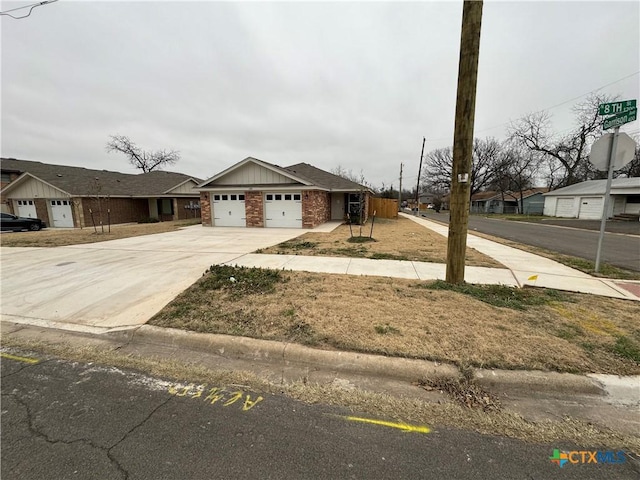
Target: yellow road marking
column 19, row 359
column 402, row 426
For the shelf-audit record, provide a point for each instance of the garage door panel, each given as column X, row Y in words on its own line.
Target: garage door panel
column 283, row 210
column 26, row 208
column 564, row 208
column 591, row 208
column 61, row 215
column 229, row 210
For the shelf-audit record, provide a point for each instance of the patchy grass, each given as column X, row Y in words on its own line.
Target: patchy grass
column 400, row 239
column 501, row 295
column 487, row 421
column 531, row 329
column 52, row 237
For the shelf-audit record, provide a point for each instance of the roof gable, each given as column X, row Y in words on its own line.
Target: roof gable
column 252, row 171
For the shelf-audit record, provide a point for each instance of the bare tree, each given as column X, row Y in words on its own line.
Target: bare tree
column 439, row 163
column 565, row 157
column 348, row 174
column 142, row 159
column 515, row 172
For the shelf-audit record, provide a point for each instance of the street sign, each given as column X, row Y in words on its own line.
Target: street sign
column 620, row 119
column 616, row 107
column 625, row 151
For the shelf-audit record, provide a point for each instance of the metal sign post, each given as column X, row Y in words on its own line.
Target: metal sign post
column 605, row 208
column 623, row 112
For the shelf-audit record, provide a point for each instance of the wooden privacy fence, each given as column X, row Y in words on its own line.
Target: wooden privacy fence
column 384, row 207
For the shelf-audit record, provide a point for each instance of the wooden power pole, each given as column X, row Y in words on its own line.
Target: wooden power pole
column 400, row 191
column 463, row 140
column 418, row 184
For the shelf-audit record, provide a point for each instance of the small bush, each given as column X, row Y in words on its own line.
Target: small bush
column 240, row 281
column 148, row 220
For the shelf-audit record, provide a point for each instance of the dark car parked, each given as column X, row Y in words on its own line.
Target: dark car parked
column 17, row 224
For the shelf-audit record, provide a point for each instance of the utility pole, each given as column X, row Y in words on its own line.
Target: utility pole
column 418, row 184
column 463, row 140
column 400, row 191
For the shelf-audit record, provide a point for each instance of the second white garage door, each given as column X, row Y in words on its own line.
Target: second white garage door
column 591, row 208
column 61, row 215
column 283, row 210
column 228, row 210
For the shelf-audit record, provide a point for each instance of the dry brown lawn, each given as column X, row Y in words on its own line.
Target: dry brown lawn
column 52, row 237
column 400, row 239
column 397, row 317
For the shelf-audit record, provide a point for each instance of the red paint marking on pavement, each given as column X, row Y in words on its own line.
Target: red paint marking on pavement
column 630, row 287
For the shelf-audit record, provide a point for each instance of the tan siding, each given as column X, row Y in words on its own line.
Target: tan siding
column 34, row 189
column 252, row 174
column 186, row 188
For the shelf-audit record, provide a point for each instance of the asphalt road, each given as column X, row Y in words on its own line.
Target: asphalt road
column 63, row 420
column 620, row 250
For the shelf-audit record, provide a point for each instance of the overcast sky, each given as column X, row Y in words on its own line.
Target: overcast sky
column 350, row 84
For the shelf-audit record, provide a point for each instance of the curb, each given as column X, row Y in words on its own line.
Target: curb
column 293, row 354
column 360, row 363
column 281, row 354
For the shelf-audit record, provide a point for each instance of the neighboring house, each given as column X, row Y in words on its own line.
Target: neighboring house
column 508, row 202
column 586, row 200
column 255, row 193
column 65, row 196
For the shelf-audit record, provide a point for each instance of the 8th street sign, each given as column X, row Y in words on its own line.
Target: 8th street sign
column 616, row 107
column 620, row 119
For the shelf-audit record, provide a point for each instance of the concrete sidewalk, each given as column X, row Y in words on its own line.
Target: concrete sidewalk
column 520, row 268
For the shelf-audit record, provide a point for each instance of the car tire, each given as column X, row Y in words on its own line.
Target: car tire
column 34, row 227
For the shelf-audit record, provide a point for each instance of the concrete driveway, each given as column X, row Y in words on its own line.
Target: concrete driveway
column 118, row 283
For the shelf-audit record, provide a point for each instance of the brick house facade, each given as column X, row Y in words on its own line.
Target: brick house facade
column 299, row 196
column 316, row 208
column 70, row 194
column 254, row 208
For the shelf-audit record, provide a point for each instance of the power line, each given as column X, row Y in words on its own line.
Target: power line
column 30, row 7
column 504, row 124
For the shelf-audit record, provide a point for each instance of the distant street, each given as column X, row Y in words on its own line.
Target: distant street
column 619, row 250
column 63, row 420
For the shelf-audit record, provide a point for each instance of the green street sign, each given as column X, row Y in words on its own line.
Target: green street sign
column 616, row 107
column 620, row 119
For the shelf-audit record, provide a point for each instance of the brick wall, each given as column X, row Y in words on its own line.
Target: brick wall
column 123, row 210
column 185, row 213
column 316, row 208
column 254, row 209
column 205, row 209
column 41, row 210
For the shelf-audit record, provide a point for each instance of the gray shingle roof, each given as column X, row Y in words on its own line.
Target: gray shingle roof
column 322, row 178
column 81, row 181
column 598, row 187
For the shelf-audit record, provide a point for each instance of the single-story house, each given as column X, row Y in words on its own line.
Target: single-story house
column 508, row 202
column 65, row 196
column 255, row 193
column 586, row 200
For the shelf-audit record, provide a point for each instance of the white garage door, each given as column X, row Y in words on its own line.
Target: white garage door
column 61, row 213
column 283, row 210
column 564, row 208
column 591, row 208
column 228, row 210
column 26, row 208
